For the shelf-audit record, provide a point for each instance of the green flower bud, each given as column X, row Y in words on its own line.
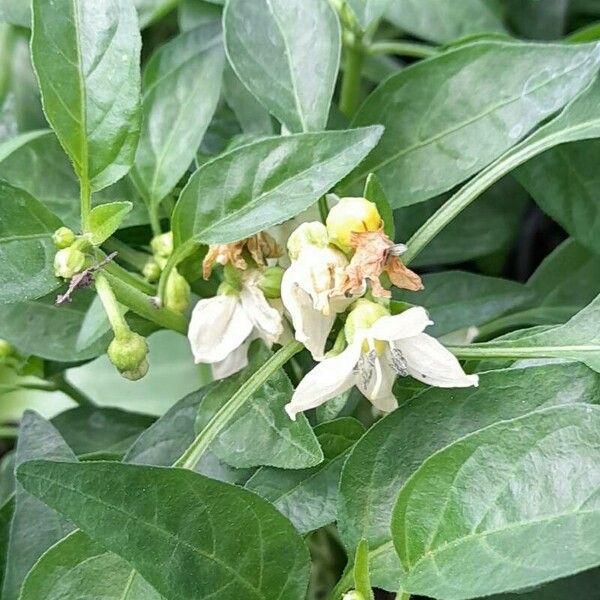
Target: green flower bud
column 353, row 595
column 307, row 234
column 6, row 349
column 270, row 282
column 162, row 245
column 68, row 262
column 232, row 276
column 226, row 289
column 362, row 316
column 128, row 353
column 63, row 237
column 177, row 293
column 351, row 215
column 152, row 271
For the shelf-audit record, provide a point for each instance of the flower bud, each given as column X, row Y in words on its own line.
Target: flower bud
column 63, row 237
column 351, row 215
column 226, row 289
column 162, row 245
column 6, row 349
column 152, row 271
column 68, row 262
column 232, row 276
column 362, row 316
column 270, row 282
column 353, row 595
column 128, row 353
column 307, row 234
column 177, row 293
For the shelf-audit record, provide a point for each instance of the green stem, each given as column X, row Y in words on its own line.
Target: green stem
column 323, row 209
column 8, row 432
column 85, row 196
column 343, row 585
column 111, row 307
column 132, row 257
column 36, row 387
column 198, row 447
column 350, row 93
column 481, row 352
column 153, row 208
column 402, row 595
column 402, row 48
column 179, row 254
column 70, row 390
column 130, row 278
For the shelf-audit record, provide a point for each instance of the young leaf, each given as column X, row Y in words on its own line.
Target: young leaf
column 257, row 554
column 294, row 493
column 182, row 83
column 375, row 193
column 87, row 56
column 77, row 567
column 432, row 141
column 268, row 182
column 35, row 526
column 397, row 445
column 26, row 247
column 274, row 47
column 106, row 219
column 472, row 521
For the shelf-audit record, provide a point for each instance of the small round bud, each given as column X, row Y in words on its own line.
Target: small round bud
column 351, row 215
column 152, row 271
column 177, row 293
column 353, row 595
column 162, row 245
column 307, row 234
column 63, row 237
column 362, row 316
column 270, row 282
column 68, row 262
column 128, row 353
column 6, row 349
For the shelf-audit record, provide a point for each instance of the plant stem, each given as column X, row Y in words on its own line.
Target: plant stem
column 323, row 209
column 350, row 93
column 111, row 307
column 85, row 196
column 8, row 432
column 130, row 278
column 154, row 219
column 402, row 595
column 402, row 48
column 132, row 257
column 198, row 447
column 179, row 254
column 70, row 390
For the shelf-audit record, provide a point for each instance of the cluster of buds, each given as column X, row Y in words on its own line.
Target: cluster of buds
column 71, row 257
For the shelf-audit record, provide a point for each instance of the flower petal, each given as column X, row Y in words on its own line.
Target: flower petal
column 407, row 324
column 327, row 380
column 218, row 326
column 428, row 361
column 379, row 387
column 263, row 316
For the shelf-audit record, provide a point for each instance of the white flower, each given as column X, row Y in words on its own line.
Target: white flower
column 222, row 327
column 390, row 346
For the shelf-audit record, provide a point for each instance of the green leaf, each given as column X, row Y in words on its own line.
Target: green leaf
column 192, row 13
column 15, row 13
column 564, row 182
column 444, row 20
column 538, row 20
column 457, row 299
column 440, row 131
column 274, row 45
column 40, row 328
column 87, row 60
column 106, row 219
column 275, row 179
column 6, row 515
column 375, row 193
column 308, row 497
column 182, row 83
column 397, row 445
column 150, row 11
column 257, row 554
column 35, row 526
column 490, row 513
column 367, row 12
column 261, row 433
column 26, row 247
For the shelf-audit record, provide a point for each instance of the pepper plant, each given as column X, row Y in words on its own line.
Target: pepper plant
column 268, row 276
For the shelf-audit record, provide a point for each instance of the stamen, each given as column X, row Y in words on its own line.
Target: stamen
column 365, row 368
column 399, row 363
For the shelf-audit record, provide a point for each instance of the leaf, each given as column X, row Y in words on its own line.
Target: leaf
column 87, row 61
column 35, row 526
column 439, row 131
column 182, row 83
column 274, row 45
column 257, row 554
column 545, row 21
column 396, row 445
column 15, row 13
column 77, row 567
column 150, row 11
column 444, row 20
column 261, row 433
column 26, row 247
column 192, row 13
column 490, row 513
column 457, row 299
column 6, row 514
column 375, row 193
column 368, row 12
column 268, row 182
column 106, row 219
column 308, row 497
column 563, row 181
column 40, row 328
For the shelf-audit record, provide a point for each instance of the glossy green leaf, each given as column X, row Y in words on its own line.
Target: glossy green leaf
column 439, row 131
column 261, row 433
column 192, row 13
column 26, row 247
column 395, row 446
column 216, row 539
column 182, row 83
column 367, row 12
column 35, row 526
column 444, row 20
column 40, row 328
column 375, row 193
column 538, row 20
column 86, row 56
column 106, row 219
column 268, row 182
column 6, row 515
column 308, row 497
column 472, row 521
column 287, row 53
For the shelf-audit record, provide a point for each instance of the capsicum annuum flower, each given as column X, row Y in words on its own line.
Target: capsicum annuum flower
column 380, row 347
